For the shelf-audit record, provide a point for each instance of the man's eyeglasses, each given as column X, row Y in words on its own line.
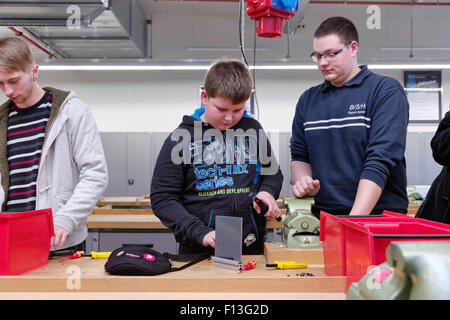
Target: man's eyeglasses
column 329, row 56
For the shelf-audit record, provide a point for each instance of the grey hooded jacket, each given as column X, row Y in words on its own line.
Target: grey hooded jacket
column 72, row 173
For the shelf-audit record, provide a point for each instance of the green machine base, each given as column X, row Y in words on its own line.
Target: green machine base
column 301, row 227
column 415, row 270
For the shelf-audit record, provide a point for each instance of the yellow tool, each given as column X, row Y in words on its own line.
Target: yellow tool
column 287, row 265
column 98, row 255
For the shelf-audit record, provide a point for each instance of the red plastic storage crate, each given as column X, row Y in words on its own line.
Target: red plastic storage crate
column 333, row 237
column 366, row 242
column 25, row 241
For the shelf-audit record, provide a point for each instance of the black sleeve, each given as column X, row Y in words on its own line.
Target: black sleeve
column 440, row 144
column 166, row 197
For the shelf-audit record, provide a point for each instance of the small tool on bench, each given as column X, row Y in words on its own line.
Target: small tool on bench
column 72, row 256
column 286, row 265
column 97, row 255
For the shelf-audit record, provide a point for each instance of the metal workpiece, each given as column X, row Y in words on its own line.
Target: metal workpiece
column 227, row 263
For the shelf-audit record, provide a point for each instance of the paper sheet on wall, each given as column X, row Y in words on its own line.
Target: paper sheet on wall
column 423, row 105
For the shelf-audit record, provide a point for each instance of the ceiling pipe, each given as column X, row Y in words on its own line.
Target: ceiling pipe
column 388, row 3
column 391, row 3
column 21, row 34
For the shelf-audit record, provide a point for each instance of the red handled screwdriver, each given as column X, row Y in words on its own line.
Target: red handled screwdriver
column 75, row 255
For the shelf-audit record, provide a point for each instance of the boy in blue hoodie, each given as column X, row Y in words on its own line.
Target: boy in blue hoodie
column 349, row 133
column 210, row 164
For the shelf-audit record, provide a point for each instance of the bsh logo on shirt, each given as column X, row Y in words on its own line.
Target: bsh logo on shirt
column 358, row 108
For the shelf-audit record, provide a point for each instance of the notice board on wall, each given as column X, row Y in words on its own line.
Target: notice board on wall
column 424, row 92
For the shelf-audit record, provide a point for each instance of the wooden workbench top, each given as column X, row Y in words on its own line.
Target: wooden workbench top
column 124, row 201
column 124, row 221
column 83, row 277
column 140, row 221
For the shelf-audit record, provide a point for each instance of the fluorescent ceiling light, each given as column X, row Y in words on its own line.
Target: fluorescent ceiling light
column 119, row 67
column 370, row 66
column 162, row 68
column 408, row 66
column 225, row 49
column 206, row 67
column 415, row 49
column 284, row 67
column 424, row 89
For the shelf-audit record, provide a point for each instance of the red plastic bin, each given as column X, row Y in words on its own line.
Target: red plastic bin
column 25, row 241
column 333, row 237
column 366, row 242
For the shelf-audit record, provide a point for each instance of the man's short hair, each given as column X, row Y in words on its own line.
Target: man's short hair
column 15, row 55
column 229, row 79
column 340, row 26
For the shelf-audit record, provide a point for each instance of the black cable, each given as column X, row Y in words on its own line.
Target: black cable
column 240, row 33
column 254, row 71
column 245, row 58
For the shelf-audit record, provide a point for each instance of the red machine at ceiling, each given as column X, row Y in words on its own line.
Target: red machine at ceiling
column 270, row 15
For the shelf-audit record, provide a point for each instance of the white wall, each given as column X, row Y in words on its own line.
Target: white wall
column 139, row 101
column 156, row 100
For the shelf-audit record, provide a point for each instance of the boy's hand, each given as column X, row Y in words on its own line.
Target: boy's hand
column 60, row 237
column 273, row 211
column 210, row 239
column 306, row 187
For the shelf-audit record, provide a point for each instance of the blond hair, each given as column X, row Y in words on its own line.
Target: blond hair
column 229, row 79
column 15, row 55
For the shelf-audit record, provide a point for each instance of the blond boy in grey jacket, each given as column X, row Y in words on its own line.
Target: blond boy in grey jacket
column 72, row 173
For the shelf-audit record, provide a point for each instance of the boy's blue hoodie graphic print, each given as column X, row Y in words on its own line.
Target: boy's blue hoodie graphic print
column 202, row 172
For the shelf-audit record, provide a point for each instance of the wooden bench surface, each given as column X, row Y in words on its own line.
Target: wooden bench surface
column 198, row 281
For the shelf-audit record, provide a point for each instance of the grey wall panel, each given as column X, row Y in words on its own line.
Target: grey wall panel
column 139, row 164
column 412, row 156
column 421, row 169
column 284, row 160
column 129, row 163
column 114, row 146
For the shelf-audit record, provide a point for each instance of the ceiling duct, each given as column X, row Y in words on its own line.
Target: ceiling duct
column 48, row 13
column 82, row 29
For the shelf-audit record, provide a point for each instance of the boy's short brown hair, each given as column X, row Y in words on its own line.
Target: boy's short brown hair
column 15, row 55
column 340, row 26
column 229, row 79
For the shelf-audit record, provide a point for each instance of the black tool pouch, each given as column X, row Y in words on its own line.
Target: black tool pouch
column 141, row 260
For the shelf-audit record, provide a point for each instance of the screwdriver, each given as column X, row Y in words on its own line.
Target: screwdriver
column 98, row 255
column 250, row 265
column 93, row 255
column 261, row 204
column 73, row 256
column 286, row 265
